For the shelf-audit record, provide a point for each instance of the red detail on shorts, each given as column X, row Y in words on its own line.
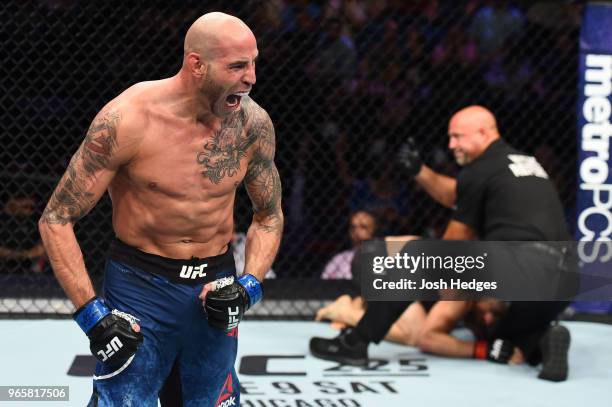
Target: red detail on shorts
column 226, row 391
column 480, row 349
column 233, row 333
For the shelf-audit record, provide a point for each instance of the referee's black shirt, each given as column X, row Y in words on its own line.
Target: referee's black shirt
column 506, row 195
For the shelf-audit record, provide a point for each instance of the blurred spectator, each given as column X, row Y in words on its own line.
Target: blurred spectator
column 457, row 49
column 20, row 246
column 385, row 58
column 373, row 27
column 381, row 195
column 414, row 47
column 296, row 13
column 362, row 227
column 397, row 104
column 508, row 74
column 495, row 23
column 379, row 191
column 264, row 18
column 431, row 22
column 354, row 11
column 335, row 60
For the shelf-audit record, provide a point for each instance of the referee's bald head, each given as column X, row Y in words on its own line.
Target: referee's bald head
column 478, row 116
column 471, row 130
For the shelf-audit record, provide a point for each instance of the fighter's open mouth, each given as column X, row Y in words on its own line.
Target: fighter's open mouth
column 233, row 100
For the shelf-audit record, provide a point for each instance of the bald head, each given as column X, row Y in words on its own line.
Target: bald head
column 476, row 117
column 211, row 34
column 219, row 62
column 471, row 130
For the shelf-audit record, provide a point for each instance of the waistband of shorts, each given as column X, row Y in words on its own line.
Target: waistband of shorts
column 183, row 271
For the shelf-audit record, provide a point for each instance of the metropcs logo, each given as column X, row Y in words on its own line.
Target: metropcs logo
column 193, row 272
column 594, row 169
column 595, row 139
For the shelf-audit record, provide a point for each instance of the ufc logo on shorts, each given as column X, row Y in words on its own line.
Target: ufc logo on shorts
column 227, row 403
column 192, row 272
column 233, row 319
column 113, row 346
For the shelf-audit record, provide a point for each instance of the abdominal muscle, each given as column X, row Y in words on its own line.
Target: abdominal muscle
column 171, row 227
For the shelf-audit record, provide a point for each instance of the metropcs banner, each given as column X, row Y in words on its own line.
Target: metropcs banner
column 594, row 194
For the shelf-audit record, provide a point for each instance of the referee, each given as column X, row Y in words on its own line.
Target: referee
column 500, row 194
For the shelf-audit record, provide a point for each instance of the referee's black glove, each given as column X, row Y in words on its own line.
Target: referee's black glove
column 409, row 158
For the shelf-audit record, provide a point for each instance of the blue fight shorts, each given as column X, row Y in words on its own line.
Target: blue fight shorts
column 163, row 294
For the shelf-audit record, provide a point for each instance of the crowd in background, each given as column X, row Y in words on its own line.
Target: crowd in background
column 345, row 82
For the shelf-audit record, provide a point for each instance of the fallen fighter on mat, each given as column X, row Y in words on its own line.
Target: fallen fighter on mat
column 428, row 326
column 492, row 200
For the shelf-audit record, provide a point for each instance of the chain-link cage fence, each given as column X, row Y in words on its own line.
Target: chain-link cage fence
column 345, row 82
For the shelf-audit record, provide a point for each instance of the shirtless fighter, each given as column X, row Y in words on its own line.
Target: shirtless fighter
column 171, row 154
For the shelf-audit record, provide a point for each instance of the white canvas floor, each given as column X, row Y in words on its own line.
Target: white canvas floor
column 276, row 370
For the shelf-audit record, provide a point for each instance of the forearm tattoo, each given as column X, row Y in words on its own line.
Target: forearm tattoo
column 72, row 199
column 262, row 180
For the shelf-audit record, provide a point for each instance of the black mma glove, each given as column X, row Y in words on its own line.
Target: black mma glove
column 498, row 351
column 226, row 306
column 111, row 337
column 409, row 158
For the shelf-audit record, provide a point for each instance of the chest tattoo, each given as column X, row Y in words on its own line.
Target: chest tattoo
column 221, row 156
